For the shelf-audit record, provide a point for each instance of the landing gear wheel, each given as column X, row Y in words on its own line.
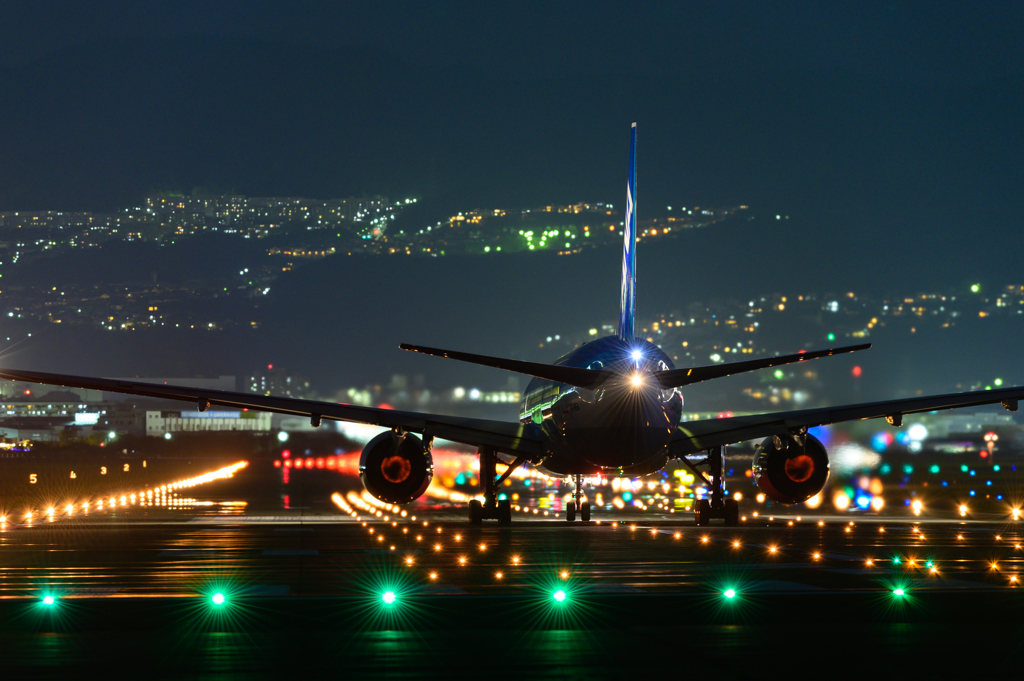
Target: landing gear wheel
column 732, row 513
column 702, row 512
column 585, row 511
column 570, row 511
column 504, row 512
column 476, row 512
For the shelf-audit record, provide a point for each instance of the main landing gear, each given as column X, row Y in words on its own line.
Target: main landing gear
column 583, row 506
column 491, row 508
column 718, row 506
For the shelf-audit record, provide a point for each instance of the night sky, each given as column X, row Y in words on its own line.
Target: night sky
column 889, row 131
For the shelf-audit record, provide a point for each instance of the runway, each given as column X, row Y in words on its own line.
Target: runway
column 305, row 590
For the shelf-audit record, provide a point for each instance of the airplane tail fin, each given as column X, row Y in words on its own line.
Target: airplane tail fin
column 627, row 301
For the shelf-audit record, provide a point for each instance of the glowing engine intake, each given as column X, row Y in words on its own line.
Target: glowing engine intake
column 790, row 474
column 395, row 469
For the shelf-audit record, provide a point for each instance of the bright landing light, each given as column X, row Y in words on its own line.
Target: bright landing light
column 636, row 380
column 637, row 355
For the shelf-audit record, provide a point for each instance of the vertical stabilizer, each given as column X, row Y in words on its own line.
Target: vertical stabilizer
column 627, row 302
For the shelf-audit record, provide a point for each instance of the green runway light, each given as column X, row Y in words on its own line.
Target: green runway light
column 560, row 596
column 898, row 592
column 48, row 600
column 729, row 593
column 388, row 597
column 218, row 599
column 896, row 560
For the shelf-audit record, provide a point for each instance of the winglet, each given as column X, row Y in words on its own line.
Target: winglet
column 627, row 300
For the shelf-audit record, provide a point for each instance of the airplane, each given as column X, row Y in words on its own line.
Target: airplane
column 612, row 406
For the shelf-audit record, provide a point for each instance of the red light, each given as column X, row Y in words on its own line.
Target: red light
column 721, row 415
column 309, row 462
column 331, row 461
column 270, row 366
column 277, row 463
column 728, row 414
column 28, row 392
column 287, row 463
column 856, row 372
column 983, row 454
column 298, row 463
column 384, row 405
column 286, row 453
column 320, row 463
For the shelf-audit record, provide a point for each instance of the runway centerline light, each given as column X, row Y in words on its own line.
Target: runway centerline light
column 218, row 599
column 48, row 600
column 560, row 596
column 729, row 593
column 898, row 592
column 388, row 597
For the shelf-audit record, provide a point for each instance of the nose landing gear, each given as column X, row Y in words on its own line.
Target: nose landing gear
column 572, row 506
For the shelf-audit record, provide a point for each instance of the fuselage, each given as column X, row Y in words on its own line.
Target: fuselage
column 623, row 427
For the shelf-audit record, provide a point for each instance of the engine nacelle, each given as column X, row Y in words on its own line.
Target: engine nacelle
column 395, row 469
column 793, row 473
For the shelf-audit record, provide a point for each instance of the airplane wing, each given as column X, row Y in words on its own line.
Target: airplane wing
column 696, row 436
column 510, row 437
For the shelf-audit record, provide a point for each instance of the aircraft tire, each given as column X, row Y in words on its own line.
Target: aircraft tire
column 702, row 515
column 732, row 512
column 476, row 512
column 570, row 511
column 585, row 511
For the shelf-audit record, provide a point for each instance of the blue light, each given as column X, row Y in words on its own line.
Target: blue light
column 637, row 355
column 972, row 492
column 988, row 483
column 996, row 468
column 972, row 472
column 388, row 597
column 526, row 483
column 559, row 596
column 945, row 484
column 863, row 502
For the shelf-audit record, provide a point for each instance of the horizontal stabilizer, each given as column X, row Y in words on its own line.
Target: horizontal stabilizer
column 677, row 378
column 581, row 378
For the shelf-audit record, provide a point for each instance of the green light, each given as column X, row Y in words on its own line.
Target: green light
column 934, row 468
column 560, row 596
column 48, row 600
column 831, row 336
column 779, row 374
column 998, row 382
column 975, row 288
column 898, row 592
column 388, row 597
column 896, row 560
column 929, row 564
column 729, row 593
column 218, row 598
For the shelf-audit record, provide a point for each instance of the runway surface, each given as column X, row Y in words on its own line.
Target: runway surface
column 305, row 592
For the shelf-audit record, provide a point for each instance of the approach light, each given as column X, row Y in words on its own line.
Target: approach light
column 729, row 593
column 560, row 596
column 48, row 600
column 218, row 598
column 898, row 592
column 388, row 597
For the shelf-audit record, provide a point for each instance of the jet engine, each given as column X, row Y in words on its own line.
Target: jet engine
column 395, row 468
column 788, row 472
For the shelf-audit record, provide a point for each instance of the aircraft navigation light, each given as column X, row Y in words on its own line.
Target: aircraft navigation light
column 559, row 596
column 388, row 597
column 48, row 600
column 217, row 598
column 729, row 593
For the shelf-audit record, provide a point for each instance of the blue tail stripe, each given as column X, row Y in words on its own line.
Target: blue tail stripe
column 627, row 301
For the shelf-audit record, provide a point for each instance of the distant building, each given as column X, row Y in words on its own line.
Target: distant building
column 159, row 423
